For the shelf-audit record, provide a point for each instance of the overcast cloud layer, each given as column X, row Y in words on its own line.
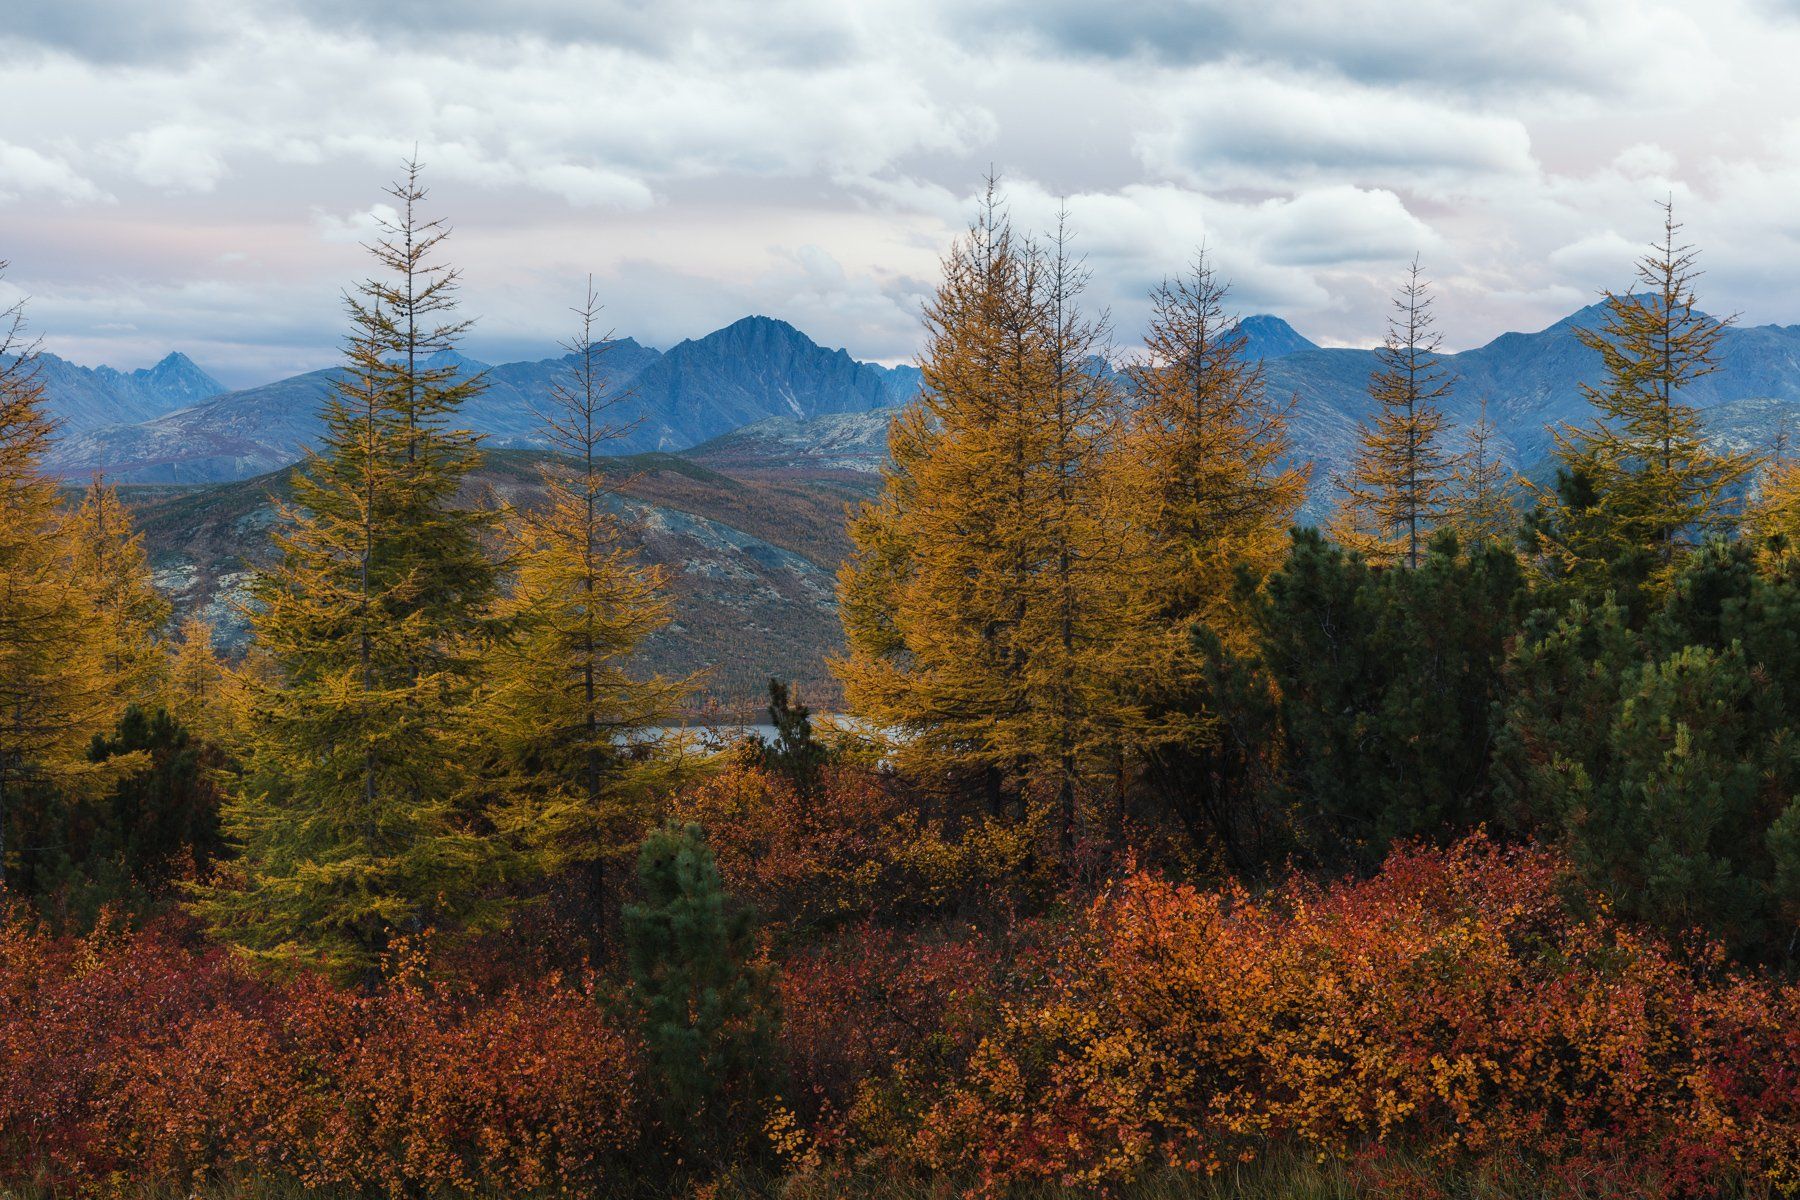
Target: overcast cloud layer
column 196, row 174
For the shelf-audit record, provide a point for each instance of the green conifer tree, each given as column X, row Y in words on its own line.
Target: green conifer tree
column 373, row 619
column 1399, row 490
column 1387, row 683
column 1664, row 758
column 707, row 1009
column 795, row 752
column 1640, row 486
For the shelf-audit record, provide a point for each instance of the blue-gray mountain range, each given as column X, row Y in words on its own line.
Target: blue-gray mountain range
column 752, row 369
column 761, row 391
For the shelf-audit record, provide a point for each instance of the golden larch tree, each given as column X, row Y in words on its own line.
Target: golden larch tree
column 1486, row 509
column 129, row 611
column 1211, row 494
column 204, row 693
column 55, row 690
column 1074, row 634
column 976, row 601
column 1399, row 488
column 567, row 712
column 1772, row 516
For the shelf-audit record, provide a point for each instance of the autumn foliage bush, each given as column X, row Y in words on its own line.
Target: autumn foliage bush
column 857, row 844
column 137, row 1057
column 1454, row 1006
column 1459, row 1012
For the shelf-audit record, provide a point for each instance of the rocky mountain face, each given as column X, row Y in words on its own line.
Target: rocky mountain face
column 834, row 442
column 1271, row 337
column 87, row 398
column 750, row 370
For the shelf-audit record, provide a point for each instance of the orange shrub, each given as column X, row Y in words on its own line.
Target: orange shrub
column 1453, row 1014
column 1452, row 1006
column 862, row 845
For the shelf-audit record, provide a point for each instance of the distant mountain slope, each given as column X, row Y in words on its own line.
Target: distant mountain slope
column 1532, row 381
column 751, row 558
column 85, row 398
column 834, row 442
column 754, row 368
column 767, row 380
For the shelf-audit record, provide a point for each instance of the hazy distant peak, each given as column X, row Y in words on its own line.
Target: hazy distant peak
column 1268, row 336
column 1592, row 316
column 457, row 359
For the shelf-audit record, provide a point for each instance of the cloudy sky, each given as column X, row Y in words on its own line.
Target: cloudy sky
column 197, row 174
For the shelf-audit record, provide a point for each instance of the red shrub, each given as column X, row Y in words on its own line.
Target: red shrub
column 134, row 1053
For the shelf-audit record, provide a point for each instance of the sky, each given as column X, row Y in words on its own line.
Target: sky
column 199, row 174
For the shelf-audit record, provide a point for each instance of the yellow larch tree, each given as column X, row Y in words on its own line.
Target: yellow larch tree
column 1207, row 460
column 1072, row 637
column 1399, row 488
column 1211, row 495
column 1772, row 515
column 55, row 692
column 204, row 693
column 1486, row 510
column 979, row 596
column 565, row 710
column 129, row 611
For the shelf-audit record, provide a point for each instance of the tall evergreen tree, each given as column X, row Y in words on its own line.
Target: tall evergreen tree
column 1387, row 683
column 561, row 699
column 1211, row 494
column 373, row 618
column 795, row 752
column 1400, row 486
column 54, row 694
column 1640, row 486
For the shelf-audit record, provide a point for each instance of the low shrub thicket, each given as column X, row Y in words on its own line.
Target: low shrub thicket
column 1459, row 1010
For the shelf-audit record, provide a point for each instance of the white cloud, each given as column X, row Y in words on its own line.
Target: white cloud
column 811, row 159
column 1238, row 126
column 24, row 171
column 174, row 158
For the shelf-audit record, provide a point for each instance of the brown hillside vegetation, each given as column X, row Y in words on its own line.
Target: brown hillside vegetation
column 750, row 557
